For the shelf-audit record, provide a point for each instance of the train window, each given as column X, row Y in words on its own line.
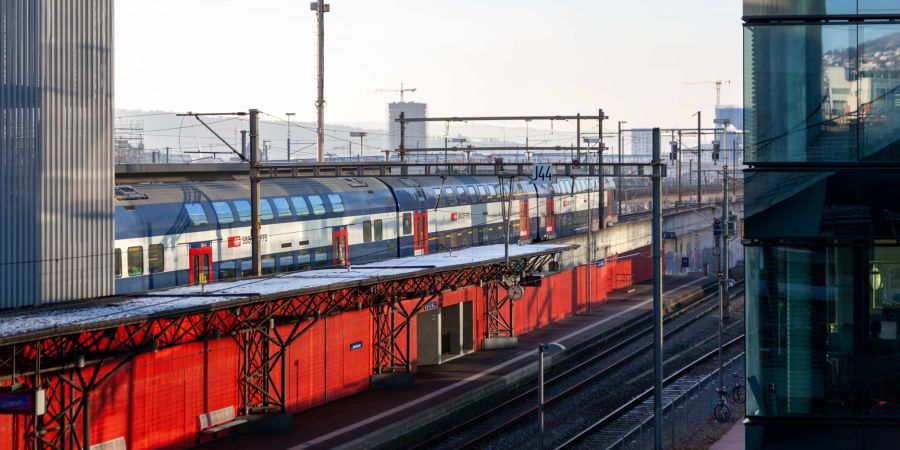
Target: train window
column 379, row 232
column 300, row 206
column 320, row 258
column 473, row 196
column 286, row 263
column 337, row 203
column 407, row 223
column 367, row 231
column 265, row 210
column 317, row 206
column 223, row 212
column 281, row 207
column 448, row 195
column 243, row 210
column 135, row 261
column 156, row 258
column 246, row 268
column 492, row 191
column 118, row 263
column 227, row 270
column 461, row 193
column 196, row 214
column 420, row 194
column 267, row 264
column 303, row 260
column 483, row 193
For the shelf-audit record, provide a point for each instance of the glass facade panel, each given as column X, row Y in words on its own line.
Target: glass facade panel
column 804, row 204
column 799, row 7
column 878, row 7
column 798, row 93
column 879, row 93
column 821, row 340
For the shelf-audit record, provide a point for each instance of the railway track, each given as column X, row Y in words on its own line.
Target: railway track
column 482, row 427
column 612, row 430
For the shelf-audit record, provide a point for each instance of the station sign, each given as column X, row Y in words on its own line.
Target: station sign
column 431, row 305
column 356, row 345
column 669, row 235
column 542, row 173
column 26, row 401
column 685, row 262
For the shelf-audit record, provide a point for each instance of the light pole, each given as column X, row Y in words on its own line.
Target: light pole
column 289, row 135
column 360, row 135
column 541, row 348
column 590, row 228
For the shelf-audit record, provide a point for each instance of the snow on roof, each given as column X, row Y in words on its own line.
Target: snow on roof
column 97, row 314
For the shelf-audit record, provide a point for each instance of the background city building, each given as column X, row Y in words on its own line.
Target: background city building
column 416, row 133
column 822, row 101
column 56, row 140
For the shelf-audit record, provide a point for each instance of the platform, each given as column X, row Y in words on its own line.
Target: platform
column 732, row 440
column 373, row 417
column 55, row 320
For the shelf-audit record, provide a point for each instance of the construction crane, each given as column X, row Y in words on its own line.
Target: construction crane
column 718, row 84
column 402, row 90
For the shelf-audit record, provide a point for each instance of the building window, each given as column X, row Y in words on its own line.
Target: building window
column 196, row 214
column 281, row 207
column 378, row 230
column 223, row 212
column 407, row 223
column 337, row 204
column 317, row 206
column 118, row 262
column 243, row 210
column 156, row 259
column 135, row 261
column 367, row 230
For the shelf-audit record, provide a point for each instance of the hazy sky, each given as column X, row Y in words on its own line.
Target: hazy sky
column 466, row 57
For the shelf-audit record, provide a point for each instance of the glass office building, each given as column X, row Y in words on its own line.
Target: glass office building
column 822, row 201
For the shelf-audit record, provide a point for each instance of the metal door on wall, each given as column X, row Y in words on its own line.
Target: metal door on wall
column 420, row 234
column 340, row 248
column 524, row 220
column 550, row 220
column 200, row 266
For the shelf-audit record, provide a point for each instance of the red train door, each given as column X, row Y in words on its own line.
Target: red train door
column 550, row 221
column 524, row 220
column 420, row 234
column 200, row 256
column 340, row 248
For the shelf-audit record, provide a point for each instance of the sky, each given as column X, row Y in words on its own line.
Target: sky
column 632, row 58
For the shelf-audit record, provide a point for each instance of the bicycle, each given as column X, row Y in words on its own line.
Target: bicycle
column 721, row 411
column 738, row 390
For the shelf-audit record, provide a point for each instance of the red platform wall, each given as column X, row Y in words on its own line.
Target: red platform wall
column 155, row 401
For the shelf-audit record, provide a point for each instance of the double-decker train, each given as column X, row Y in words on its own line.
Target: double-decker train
column 175, row 234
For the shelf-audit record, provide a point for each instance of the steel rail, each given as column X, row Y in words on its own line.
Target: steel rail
column 620, row 411
column 568, row 372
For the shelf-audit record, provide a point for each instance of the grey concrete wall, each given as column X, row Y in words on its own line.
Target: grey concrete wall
column 56, row 133
column 693, row 239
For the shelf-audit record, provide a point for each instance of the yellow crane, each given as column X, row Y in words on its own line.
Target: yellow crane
column 718, row 84
column 402, row 90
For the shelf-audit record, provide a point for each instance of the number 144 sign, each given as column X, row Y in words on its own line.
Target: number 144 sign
column 542, row 173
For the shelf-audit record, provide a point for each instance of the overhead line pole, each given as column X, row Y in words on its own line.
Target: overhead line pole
column 699, row 160
column 321, row 8
column 656, row 242
column 254, row 191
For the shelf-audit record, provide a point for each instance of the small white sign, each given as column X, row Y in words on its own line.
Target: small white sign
column 542, row 173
